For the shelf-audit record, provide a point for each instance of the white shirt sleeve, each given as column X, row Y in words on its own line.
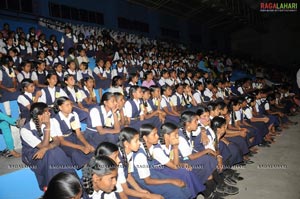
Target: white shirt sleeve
column 248, row 113
column 34, row 76
column 55, row 125
column 163, row 103
column 121, row 175
column 174, row 100
column 29, row 138
column 22, row 100
column 237, row 115
column 184, row 147
column 197, row 97
column 240, row 90
column 128, row 109
column 95, row 117
column 267, row 106
column 20, row 77
column 141, row 163
column 159, row 155
column 1, row 75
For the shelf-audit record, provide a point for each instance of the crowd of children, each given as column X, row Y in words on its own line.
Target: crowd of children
column 166, row 126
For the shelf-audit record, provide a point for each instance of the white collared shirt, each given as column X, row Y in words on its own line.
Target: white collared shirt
column 75, row 124
column 107, row 116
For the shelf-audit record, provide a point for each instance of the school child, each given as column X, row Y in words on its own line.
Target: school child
column 67, row 125
column 64, row 185
column 177, row 99
column 116, row 85
column 51, row 92
column 27, row 98
column 164, row 77
column 123, row 189
column 25, row 72
column 198, row 94
column 167, row 105
column 107, row 74
column 76, row 95
column 149, row 108
column 205, row 159
column 166, row 156
column 5, row 123
column 120, row 112
column 100, row 178
column 17, row 60
column 132, row 81
column 58, row 70
column 71, row 70
column 148, row 80
column 90, row 100
column 82, row 57
column 187, row 96
column 134, row 112
column 84, row 71
column 69, row 39
column 39, row 75
column 120, row 70
column 8, row 84
column 189, row 78
column 236, row 134
column 60, row 58
column 40, row 146
column 147, row 178
column 104, row 124
column 98, row 75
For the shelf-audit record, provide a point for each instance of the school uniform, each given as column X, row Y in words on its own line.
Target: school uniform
column 203, row 166
column 65, row 126
column 24, row 100
column 49, row 95
column 98, row 82
column 76, row 95
column 133, row 110
column 54, row 157
column 84, row 74
column 23, row 75
column 70, row 72
column 88, row 94
column 40, row 76
column 68, row 41
column 166, row 102
column 61, row 60
column 162, row 155
column 143, row 168
column 117, row 89
column 105, row 84
column 102, row 195
column 99, row 117
column 6, row 76
column 208, row 94
column 122, row 72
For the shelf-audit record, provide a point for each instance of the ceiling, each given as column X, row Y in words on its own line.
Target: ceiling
column 227, row 15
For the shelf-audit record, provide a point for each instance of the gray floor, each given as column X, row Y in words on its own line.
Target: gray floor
column 275, row 173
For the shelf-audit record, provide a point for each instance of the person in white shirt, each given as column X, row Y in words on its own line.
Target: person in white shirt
column 100, row 178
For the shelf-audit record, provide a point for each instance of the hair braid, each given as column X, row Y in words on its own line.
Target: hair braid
column 149, row 157
column 37, row 124
column 87, row 172
column 123, row 153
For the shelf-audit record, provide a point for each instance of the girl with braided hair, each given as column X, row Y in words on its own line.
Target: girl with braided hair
column 100, row 178
column 202, row 160
column 166, row 157
column 146, row 173
column 40, row 149
column 128, row 144
column 67, row 125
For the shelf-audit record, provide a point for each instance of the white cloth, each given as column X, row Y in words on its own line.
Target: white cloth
column 75, row 124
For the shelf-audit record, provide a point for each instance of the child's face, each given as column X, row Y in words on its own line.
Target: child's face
column 107, row 182
column 66, row 107
column 70, row 81
column 168, row 92
column 89, row 83
column 237, row 107
column 52, row 80
column 41, row 66
column 200, row 87
column 221, row 131
column 111, row 103
column 72, row 66
column 107, row 65
column 146, row 95
column 27, row 68
column 121, row 102
column 135, row 79
column 187, row 89
column 224, row 111
column 166, row 75
column 59, row 68
column 179, row 89
column 204, row 119
column 156, row 93
column 138, row 94
column 134, row 143
column 30, row 88
column 115, row 157
column 193, row 125
column 101, row 63
column 174, row 136
column 152, row 138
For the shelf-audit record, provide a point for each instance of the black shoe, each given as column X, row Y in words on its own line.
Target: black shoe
column 237, row 178
column 278, row 129
column 229, row 181
column 215, row 195
column 264, row 144
column 230, row 190
column 248, row 161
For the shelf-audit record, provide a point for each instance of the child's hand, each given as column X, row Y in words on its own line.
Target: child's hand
column 85, row 149
column 92, row 149
column 38, row 94
column 211, row 152
column 39, row 154
column 155, row 196
column 174, row 141
column 178, row 183
column 204, row 138
column 46, row 118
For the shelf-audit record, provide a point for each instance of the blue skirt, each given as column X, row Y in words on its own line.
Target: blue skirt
column 53, row 162
column 236, row 154
column 240, row 142
column 192, row 182
column 168, row 191
column 78, row 158
column 173, row 119
column 203, row 167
